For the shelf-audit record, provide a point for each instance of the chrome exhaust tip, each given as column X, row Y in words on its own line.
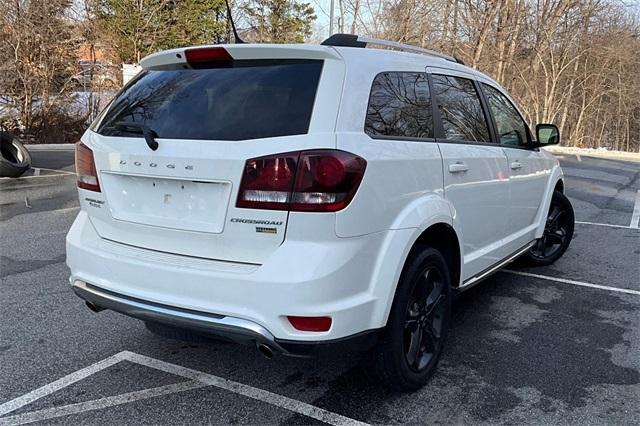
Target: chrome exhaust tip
column 265, row 350
column 94, row 308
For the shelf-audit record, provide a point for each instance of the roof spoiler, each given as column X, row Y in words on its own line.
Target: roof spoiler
column 352, row 40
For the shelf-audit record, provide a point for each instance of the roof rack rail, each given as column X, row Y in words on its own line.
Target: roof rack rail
column 352, row 40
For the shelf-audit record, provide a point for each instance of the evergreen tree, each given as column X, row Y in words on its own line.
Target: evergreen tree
column 141, row 27
column 200, row 22
column 279, row 21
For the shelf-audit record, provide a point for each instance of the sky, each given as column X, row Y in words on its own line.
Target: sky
column 321, row 26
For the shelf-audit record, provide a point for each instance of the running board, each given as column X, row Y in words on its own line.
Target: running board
column 492, row 269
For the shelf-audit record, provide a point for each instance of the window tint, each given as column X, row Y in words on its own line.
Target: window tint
column 460, row 109
column 512, row 130
column 400, row 105
column 250, row 100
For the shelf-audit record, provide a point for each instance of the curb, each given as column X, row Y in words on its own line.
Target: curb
column 51, row 147
column 597, row 153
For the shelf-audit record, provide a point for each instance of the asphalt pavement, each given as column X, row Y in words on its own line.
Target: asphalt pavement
column 558, row 344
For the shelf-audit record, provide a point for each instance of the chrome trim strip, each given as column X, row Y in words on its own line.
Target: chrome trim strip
column 492, row 269
column 236, row 329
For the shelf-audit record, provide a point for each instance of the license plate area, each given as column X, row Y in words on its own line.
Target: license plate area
column 182, row 204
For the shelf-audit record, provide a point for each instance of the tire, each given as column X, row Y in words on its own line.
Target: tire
column 175, row 333
column 557, row 236
column 14, row 157
column 416, row 330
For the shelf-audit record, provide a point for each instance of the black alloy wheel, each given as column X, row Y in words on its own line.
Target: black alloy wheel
column 424, row 320
column 413, row 339
column 558, row 232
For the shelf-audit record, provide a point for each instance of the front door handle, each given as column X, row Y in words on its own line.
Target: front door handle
column 458, row 167
column 516, row 165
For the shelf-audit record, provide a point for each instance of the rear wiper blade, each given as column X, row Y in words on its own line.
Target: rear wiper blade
column 149, row 135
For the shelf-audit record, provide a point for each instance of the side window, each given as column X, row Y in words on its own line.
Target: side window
column 512, row 130
column 460, row 109
column 400, row 105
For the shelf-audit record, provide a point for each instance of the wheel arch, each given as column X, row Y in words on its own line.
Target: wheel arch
column 442, row 237
column 556, row 182
column 439, row 234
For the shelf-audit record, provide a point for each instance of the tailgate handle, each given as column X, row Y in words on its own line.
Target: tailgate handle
column 458, row 167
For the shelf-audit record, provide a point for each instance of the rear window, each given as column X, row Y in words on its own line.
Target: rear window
column 248, row 100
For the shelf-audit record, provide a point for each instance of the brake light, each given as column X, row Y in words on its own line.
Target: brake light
column 204, row 56
column 310, row 323
column 86, row 168
column 310, row 181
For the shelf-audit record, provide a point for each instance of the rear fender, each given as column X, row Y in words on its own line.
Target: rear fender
column 409, row 226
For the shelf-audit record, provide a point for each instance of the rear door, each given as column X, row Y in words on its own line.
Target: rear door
column 475, row 171
column 208, row 120
column 529, row 169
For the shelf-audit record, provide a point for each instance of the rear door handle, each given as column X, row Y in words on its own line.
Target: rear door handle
column 516, row 165
column 458, row 167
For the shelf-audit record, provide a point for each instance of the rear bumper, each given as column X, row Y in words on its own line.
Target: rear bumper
column 245, row 303
column 235, row 329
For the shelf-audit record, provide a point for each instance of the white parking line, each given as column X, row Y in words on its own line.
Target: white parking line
column 603, row 224
column 70, row 379
column 40, row 176
column 197, row 379
column 245, row 390
column 98, row 404
column 578, row 283
column 64, row 172
column 63, row 210
column 635, row 217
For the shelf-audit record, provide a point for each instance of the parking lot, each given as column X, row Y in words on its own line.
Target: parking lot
column 559, row 344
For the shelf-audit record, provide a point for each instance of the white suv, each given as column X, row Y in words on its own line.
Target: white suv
column 297, row 197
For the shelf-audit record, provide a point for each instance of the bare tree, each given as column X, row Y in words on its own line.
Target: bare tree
column 572, row 62
column 37, row 56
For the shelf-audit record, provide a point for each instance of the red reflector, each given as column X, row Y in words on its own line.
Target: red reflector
column 204, row 55
column 310, row 323
column 86, row 168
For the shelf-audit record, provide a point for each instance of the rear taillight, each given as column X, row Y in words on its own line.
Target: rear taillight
column 326, row 180
column 86, row 168
column 310, row 181
column 267, row 182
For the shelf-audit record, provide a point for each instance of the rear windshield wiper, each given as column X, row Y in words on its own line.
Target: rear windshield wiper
column 149, row 135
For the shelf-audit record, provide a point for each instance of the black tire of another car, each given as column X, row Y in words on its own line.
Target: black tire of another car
column 14, row 158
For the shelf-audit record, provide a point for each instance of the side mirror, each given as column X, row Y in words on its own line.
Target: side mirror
column 547, row 134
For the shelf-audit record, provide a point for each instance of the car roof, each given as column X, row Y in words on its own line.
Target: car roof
column 369, row 60
column 375, row 55
column 314, row 51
